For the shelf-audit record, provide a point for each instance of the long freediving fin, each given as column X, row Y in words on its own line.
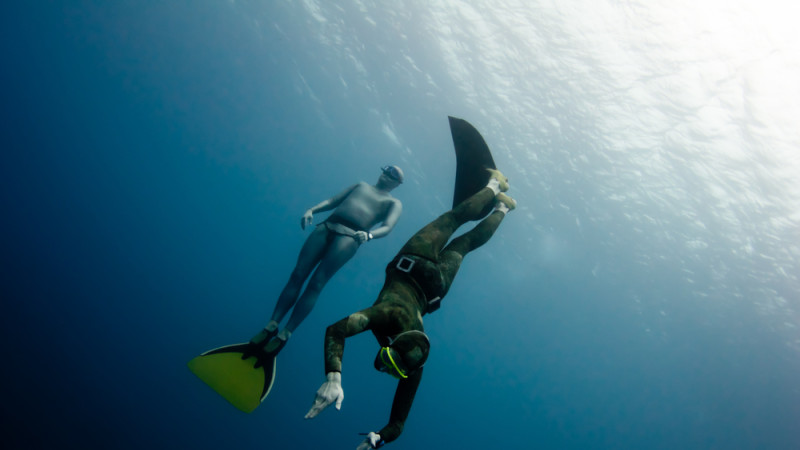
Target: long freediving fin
column 236, row 379
column 473, row 157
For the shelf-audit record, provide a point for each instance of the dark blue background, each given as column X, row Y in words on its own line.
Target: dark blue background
column 156, row 160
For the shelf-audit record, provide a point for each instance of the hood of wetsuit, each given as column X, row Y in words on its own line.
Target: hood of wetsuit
column 393, row 172
column 405, row 354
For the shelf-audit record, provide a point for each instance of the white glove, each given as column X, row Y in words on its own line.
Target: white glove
column 362, row 236
column 373, row 440
column 306, row 220
column 329, row 392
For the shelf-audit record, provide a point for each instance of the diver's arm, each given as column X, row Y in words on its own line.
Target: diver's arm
column 334, row 345
column 331, row 390
column 403, row 398
column 392, row 216
column 332, row 202
column 349, row 326
column 325, row 205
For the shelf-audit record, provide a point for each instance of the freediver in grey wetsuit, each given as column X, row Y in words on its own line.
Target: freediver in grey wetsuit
column 416, row 281
column 331, row 244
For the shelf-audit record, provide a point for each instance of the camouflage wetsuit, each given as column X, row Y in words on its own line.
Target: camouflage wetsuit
column 405, row 296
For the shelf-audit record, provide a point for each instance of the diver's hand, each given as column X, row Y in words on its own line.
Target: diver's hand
column 329, row 392
column 362, row 236
column 373, row 440
column 306, row 220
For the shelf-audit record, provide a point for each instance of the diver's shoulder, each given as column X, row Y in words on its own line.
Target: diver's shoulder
column 360, row 185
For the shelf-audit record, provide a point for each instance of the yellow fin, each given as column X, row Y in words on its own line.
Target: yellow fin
column 235, row 379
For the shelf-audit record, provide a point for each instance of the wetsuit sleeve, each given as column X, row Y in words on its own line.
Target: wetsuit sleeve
column 367, row 319
column 334, row 345
column 403, row 398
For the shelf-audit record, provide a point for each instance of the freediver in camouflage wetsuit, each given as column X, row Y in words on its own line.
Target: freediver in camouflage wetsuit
column 416, row 280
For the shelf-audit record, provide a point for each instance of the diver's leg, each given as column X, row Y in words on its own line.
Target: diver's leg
column 339, row 252
column 452, row 255
column 430, row 239
column 311, row 253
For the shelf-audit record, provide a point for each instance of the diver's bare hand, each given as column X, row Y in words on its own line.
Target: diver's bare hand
column 329, row 392
column 306, row 220
column 373, row 440
column 362, row 236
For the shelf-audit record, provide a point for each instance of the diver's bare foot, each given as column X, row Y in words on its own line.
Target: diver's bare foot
column 505, row 203
column 502, row 180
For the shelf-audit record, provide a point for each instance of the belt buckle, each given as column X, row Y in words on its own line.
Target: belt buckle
column 405, row 264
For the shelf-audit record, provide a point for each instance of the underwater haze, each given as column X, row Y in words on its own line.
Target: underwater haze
column 157, row 157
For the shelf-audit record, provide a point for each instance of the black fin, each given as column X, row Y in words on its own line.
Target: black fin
column 473, row 157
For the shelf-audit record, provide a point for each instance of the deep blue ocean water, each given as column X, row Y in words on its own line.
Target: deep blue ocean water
column 157, row 158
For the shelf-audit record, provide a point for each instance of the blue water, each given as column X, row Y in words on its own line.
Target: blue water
column 157, row 157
